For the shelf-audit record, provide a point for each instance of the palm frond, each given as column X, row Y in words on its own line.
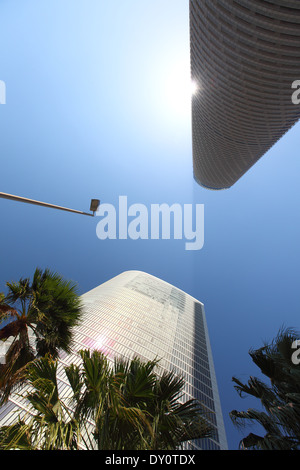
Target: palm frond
column 281, row 399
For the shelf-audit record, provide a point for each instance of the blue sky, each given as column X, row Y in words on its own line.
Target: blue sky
column 94, row 108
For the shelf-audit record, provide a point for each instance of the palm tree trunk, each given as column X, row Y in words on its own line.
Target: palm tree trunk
column 12, row 329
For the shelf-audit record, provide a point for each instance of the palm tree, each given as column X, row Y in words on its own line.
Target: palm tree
column 37, row 318
column 110, row 398
column 51, row 425
column 280, row 400
column 173, row 422
column 126, row 406
column 136, row 409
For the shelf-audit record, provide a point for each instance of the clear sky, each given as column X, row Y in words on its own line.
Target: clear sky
column 97, row 107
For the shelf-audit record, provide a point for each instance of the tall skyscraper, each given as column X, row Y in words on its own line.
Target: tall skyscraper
column 138, row 314
column 245, row 56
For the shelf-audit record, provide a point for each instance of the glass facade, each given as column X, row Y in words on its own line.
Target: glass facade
column 138, row 314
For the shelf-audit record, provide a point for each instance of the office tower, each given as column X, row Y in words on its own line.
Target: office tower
column 138, row 314
column 245, row 56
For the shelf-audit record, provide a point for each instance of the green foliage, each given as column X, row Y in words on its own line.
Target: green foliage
column 124, row 406
column 51, row 427
column 280, row 400
column 45, row 310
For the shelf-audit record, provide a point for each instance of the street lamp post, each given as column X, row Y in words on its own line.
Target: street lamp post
column 94, row 204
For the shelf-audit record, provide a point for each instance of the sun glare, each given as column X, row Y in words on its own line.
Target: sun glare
column 100, row 342
column 194, row 87
column 179, row 89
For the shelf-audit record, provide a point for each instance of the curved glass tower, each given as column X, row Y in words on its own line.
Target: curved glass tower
column 138, row 314
column 245, row 56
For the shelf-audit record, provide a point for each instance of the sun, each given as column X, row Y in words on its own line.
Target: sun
column 179, row 89
column 193, row 87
